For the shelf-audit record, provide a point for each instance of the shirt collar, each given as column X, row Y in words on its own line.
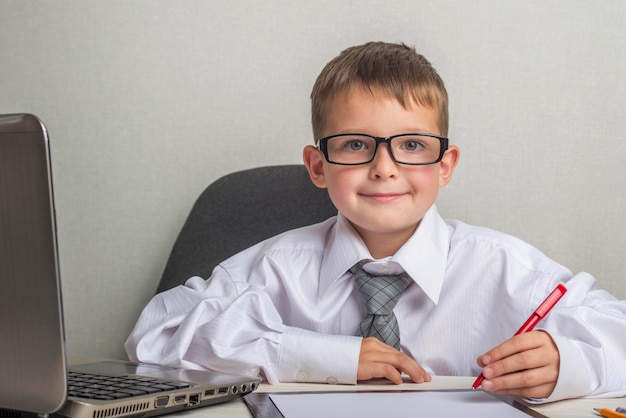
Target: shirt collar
column 344, row 248
column 423, row 256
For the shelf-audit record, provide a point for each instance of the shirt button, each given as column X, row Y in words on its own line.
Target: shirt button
column 332, row 380
column 302, row 376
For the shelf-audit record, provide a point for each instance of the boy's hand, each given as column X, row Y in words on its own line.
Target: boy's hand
column 378, row 359
column 526, row 365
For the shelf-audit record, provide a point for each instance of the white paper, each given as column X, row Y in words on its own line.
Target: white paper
column 466, row 404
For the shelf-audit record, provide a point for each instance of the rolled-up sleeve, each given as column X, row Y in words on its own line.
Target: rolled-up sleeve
column 234, row 327
column 214, row 324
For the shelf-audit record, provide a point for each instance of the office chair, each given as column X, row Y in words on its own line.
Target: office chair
column 239, row 210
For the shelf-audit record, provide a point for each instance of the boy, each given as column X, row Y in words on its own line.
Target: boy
column 291, row 308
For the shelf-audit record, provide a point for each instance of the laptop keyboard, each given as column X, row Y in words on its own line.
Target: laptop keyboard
column 91, row 386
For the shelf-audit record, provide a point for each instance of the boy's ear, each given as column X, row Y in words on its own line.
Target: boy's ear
column 314, row 163
column 447, row 164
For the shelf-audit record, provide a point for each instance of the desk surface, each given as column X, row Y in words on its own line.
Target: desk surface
column 562, row 409
column 573, row 408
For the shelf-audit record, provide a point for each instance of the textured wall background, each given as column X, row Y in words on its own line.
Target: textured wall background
column 147, row 102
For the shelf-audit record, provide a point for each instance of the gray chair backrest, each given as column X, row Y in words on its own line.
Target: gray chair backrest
column 240, row 210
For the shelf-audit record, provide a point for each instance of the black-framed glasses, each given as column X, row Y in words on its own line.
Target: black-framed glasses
column 358, row 149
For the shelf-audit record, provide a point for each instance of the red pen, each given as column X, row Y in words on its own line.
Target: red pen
column 536, row 316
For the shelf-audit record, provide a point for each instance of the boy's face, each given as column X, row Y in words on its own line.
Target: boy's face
column 384, row 200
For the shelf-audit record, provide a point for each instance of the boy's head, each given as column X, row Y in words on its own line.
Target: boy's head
column 394, row 70
column 380, row 119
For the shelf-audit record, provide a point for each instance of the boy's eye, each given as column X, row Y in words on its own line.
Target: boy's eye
column 355, row 145
column 352, row 144
column 411, row 145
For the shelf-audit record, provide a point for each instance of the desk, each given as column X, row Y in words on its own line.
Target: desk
column 573, row 408
column 562, row 409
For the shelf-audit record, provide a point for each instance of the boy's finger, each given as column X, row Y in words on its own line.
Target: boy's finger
column 540, row 391
column 409, row 366
column 419, row 376
column 516, row 344
column 537, row 382
column 529, row 356
column 527, row 360
column 380, row 370
column 381, row 360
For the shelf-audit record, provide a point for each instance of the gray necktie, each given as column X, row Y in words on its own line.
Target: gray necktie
column 380, row 294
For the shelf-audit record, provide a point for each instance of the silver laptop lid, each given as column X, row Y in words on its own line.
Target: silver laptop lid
column 32, row 348
column 33, row 372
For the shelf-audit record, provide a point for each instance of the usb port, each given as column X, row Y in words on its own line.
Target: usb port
column 210, row 393
column 180, row 399
column 222, row 391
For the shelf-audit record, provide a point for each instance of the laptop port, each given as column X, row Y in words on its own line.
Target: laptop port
column 234, row 390
column 222, row 391
column 178, row 399
column 194, row 399
column 252, row 387
column 244, row 388
column 161, row 401
column 210, row 393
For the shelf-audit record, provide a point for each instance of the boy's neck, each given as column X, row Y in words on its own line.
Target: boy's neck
column 381, row 245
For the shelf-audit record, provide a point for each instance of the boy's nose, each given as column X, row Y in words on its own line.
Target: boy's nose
column 383, row 164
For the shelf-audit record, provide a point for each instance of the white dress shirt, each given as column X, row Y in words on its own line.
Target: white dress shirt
column 287, row 308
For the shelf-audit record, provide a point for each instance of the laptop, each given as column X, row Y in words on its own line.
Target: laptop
column 35, row 378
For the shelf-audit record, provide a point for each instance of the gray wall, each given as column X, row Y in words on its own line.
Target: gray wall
column 149, row 101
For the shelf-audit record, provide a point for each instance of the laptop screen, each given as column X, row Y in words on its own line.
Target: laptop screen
column 32, row 357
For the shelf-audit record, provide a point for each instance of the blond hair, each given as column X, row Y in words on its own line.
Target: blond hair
column 395, row 70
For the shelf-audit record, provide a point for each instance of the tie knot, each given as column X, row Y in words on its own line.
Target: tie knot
column 380, row 293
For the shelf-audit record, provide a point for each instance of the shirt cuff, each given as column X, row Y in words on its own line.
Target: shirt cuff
column 307, row 356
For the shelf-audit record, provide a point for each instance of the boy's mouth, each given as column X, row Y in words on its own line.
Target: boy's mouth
column 383, row 197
